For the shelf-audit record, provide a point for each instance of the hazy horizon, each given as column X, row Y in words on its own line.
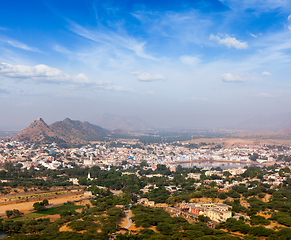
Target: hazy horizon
column 192, row 64
column 257, row 123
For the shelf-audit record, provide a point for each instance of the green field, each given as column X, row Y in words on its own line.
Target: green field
column 49, row 211
column 58, row 210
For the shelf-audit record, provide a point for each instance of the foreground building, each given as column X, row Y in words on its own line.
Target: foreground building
column 217, row 212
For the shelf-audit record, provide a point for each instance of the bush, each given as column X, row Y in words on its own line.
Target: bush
column 40, row 206
column 257, row 220
column 222, row 195
column 14, row 212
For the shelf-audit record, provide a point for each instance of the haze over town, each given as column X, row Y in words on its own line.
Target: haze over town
column 183, row 64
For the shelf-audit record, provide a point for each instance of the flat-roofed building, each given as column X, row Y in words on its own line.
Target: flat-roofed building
column 217, row 212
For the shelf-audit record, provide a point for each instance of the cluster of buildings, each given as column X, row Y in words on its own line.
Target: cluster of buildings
column 232, row 171
column 217, row 212
column 274, row 178
column 130, row 153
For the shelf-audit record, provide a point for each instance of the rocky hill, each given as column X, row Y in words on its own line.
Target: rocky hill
column 67, row 132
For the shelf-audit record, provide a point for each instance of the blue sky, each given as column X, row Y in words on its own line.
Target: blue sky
column 173, row 63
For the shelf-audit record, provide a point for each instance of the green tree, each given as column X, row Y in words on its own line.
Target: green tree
column 16, row 212
column 202, row 218
column 38, row 206
column 45, row 202
column 9, row 213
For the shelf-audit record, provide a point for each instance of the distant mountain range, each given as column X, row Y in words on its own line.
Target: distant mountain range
column 272, row 123
column 72, row 133
column 127, row 123
column 8, row 133
column 67, row 132
column 283, row 133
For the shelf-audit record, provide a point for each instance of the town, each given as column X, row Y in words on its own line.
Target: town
column 116, row 153
column 151, row 162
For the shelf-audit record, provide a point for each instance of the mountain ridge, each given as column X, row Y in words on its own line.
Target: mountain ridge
column 273, row 122
column 66, row 132
column 283, row 133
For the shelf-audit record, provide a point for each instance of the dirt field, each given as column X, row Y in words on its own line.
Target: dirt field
column 136, row 229
column 65, row 228
column 24, row 207
column 19, row 193
column 267, row 198
column 52, row 217
column 83, row 203
column 133, row 228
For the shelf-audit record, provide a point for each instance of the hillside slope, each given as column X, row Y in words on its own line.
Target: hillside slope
column 66, row 132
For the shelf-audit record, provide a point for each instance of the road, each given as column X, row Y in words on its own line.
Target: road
column 129, row 221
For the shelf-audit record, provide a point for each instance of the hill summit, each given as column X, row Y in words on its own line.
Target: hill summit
column 67, row 132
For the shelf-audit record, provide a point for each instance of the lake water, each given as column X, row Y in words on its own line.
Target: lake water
column 214, row 165
column 2, row 234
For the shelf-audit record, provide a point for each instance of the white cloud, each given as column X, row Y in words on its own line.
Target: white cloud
column 265, row 95
column 266, row 74
column 3, row 91
column 119, row 89
column 228, row 77
column 229, row 41
column 62, row 49
column 197, row 99
column 24, row 104
column 113, row 39
column 190, row 60
column 146, row 77
column 20, row 45
column 289, row 17
column 185, row 27
column 40, row 72
column 253, row 35
column 257, row 5
column 113, row 88
column 289, row 27
column 200, row 99
column 108, row 86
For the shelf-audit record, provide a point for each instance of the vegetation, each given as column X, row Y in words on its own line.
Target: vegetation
column 101, row 219
column 169, row 227
column 14, row 213
column 40, row 206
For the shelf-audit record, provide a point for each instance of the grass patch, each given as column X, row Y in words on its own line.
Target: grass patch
column 49, row 211
column 58, row 210
column 28, row 216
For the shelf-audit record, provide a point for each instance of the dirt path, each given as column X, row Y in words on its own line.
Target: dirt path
column 129, row 221
column 126, row 221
